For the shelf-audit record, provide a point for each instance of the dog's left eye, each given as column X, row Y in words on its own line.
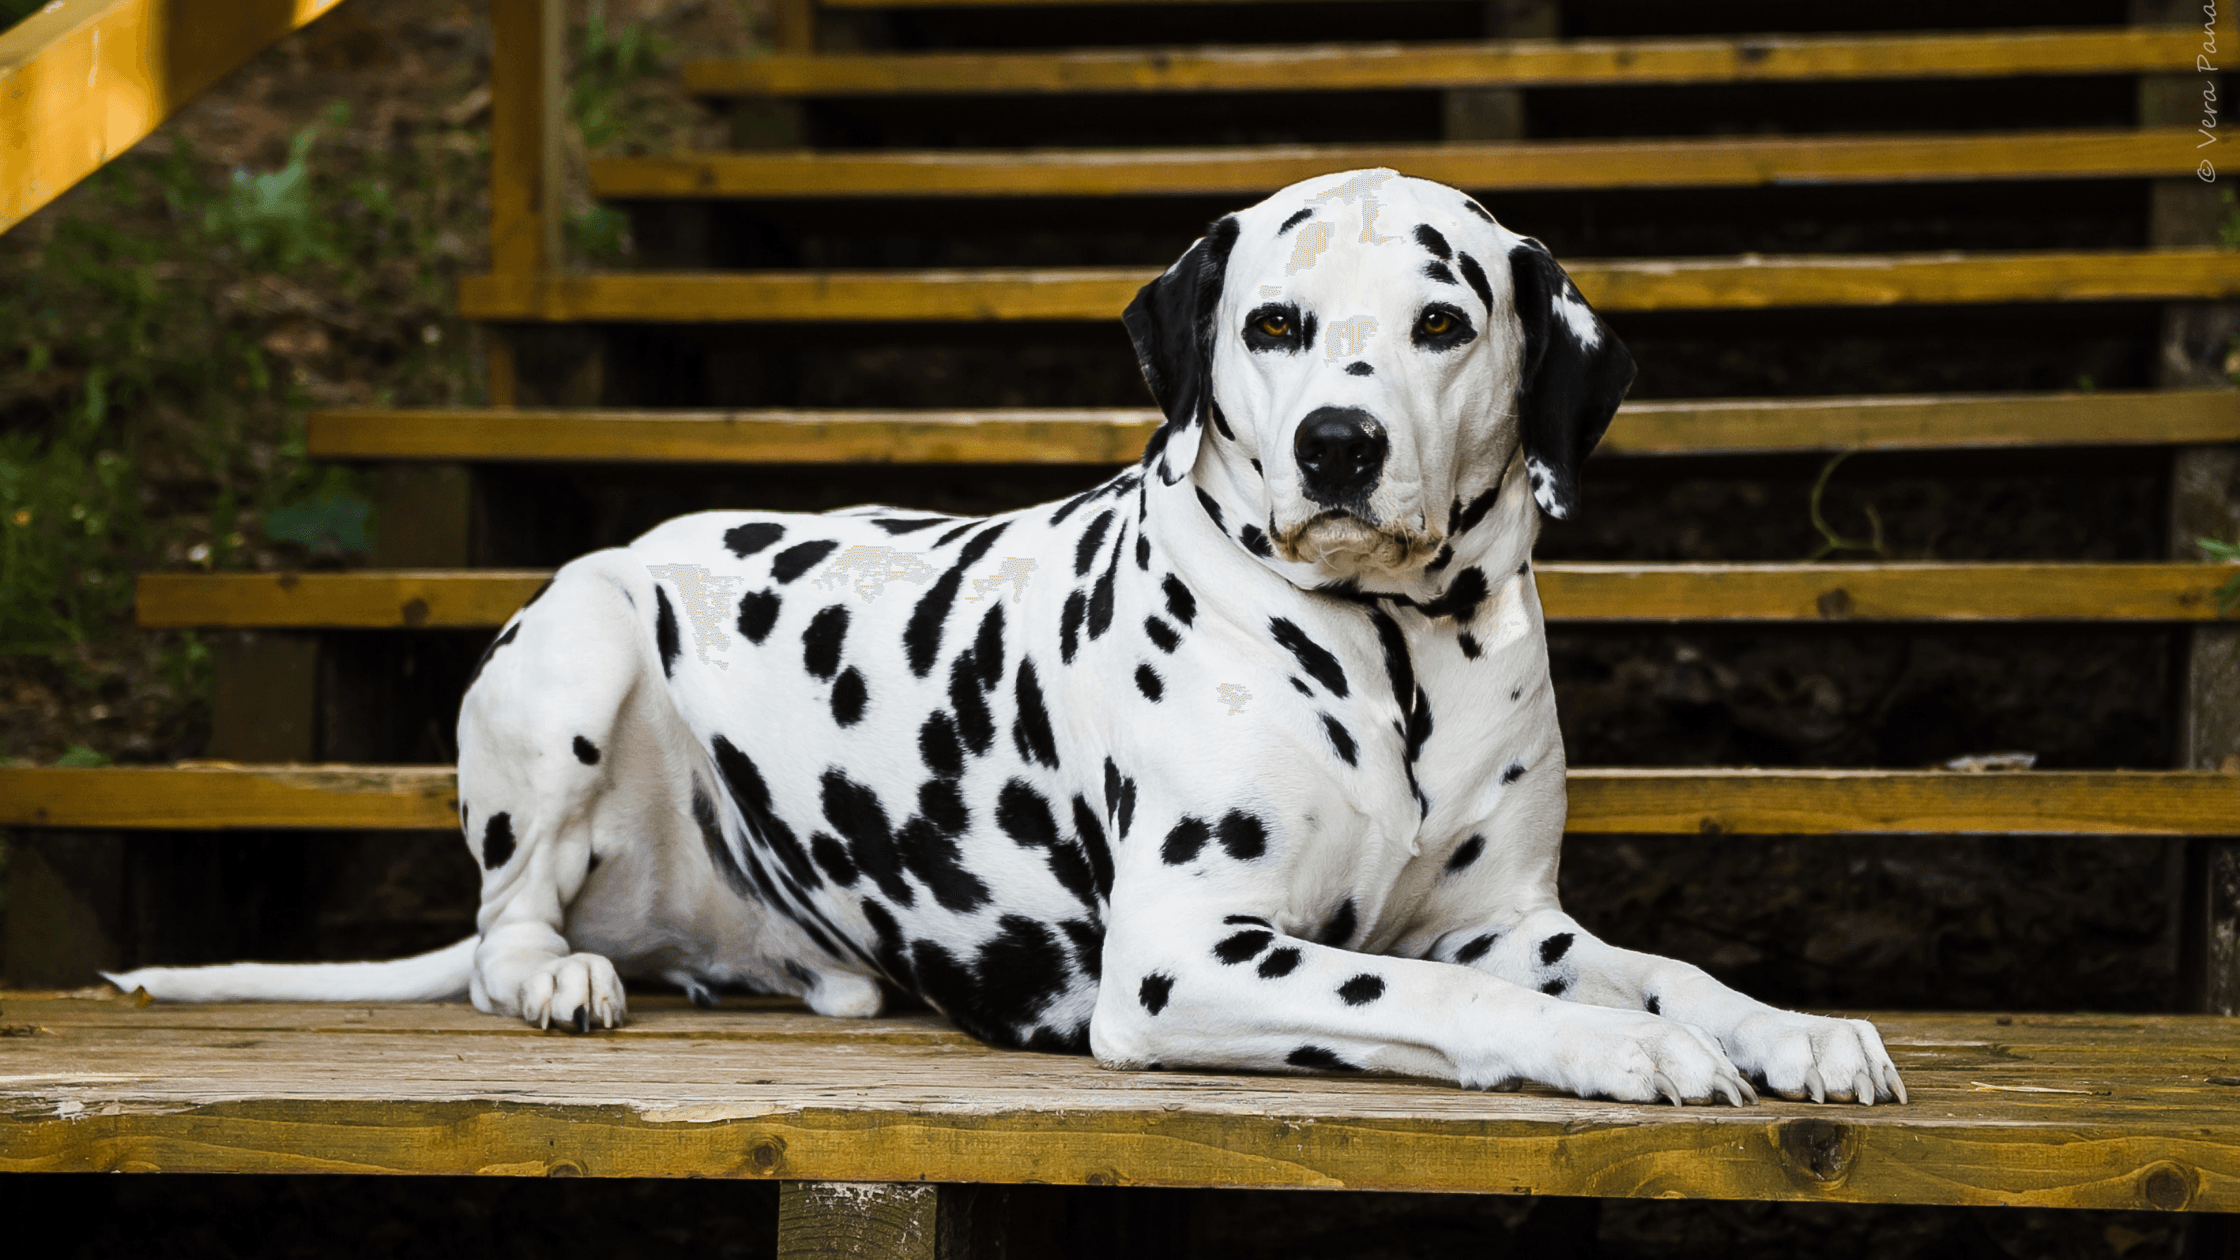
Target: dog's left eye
column 1437, row 323
column 1275, row 325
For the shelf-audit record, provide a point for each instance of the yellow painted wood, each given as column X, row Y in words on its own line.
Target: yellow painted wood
column 231, row 1089
column 81, row 81
column 1100, row 293
column 2020, row 591
column 1723, row 162
column 209, row 796
column 1513, row 63
column 527, row 175
column 1116, row 435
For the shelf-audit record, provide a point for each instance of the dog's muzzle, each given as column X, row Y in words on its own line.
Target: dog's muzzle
column 1340, row 452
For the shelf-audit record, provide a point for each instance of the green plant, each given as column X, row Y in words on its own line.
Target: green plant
column 80, row 755
column 1830, row 540
column 608, row 65
column 2228, row 227
column 2228, row 595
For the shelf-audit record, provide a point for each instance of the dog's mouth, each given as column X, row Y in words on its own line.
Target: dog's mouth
column 1345, row 545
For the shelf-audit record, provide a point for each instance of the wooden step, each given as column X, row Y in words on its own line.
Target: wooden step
column 1720, row 163
column 214, row 796
column 433, row 599
column 1512, row 63
column 1116, row 435
column 1747, row 282
column 2075, row 1111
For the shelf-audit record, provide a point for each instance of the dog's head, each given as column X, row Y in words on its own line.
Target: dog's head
column 1369, row 351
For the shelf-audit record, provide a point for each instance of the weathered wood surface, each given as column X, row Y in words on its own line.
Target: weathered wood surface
column 823, row 1220
column 1075, row 294
column 1116, row 435
column 1514, row 63
column 1724, row 162
column 1991, row 591
column 1602, row 801
column 102, row 1086
column 81, row 81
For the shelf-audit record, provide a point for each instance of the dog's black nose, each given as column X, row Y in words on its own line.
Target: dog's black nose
column 1340, row 452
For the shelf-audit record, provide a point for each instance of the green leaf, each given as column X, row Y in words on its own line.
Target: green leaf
column 80, row 755
column 331, row 521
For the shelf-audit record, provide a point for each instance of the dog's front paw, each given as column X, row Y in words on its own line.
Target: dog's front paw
column 576, row 991
column 1642, row 1058
column 1812, row 1056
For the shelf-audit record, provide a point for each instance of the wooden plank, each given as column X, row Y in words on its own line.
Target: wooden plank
column 526, row 174
column 1116, row 435
column 1504, row 63
column 1723, row 162
column 81, row 81
column 858, row 1221
column 2133, row 1122
column 1961, row 591
column 1100, row 293
column 211, row 796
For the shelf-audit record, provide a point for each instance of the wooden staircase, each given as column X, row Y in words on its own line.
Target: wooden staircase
column 625, row 371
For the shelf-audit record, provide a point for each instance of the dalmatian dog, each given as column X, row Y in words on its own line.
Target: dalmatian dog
column 1245, row 759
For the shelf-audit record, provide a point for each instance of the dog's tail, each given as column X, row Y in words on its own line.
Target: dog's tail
column 431, row 977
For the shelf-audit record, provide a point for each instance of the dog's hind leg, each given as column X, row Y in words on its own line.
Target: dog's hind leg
column 566, row 680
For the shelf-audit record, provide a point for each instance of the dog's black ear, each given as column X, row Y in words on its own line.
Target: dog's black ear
column 1171, row 323
column 1575, row 373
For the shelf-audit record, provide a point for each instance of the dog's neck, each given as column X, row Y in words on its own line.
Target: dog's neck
column 1496, row 539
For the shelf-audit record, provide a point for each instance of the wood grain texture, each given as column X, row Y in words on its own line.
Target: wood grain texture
column 1515, row 63
column 1116, row 435
column 822, row 1220
column 1100, row 293
column 232, row 1089
column 1603, row 801
column 1732, row 163
column 369, row 599
column 81, row 81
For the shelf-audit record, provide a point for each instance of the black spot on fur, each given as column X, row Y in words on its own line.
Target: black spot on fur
column 546, row 585
column 1361, row 990
column 1279, row 964
column 1024, row 814
column 1313, row 657
column 1161, row 634
column 1101, row 595
column 939, row 746
column 1653, row 1006
column 1513, row 773
column 1185, row 841
column 854, row 811
column 891, row 949
column 1341, row 740
column 921, row 639
column 1476, row 275
column 1476, row 948
column 758, row 611
column 1243, row 946
column 752, row 796
column 1299, row 685
column 1468, row 642
column 1440, row 272
column 1317, row 1057
column 1069, row 625
column 497, row 841
column 727, row 866
column 987, row 648
column 1397, row 668
column 1554, row 948
column 665, row 632
column 1031, row 733
column 1147, row 682
column 1465, row 853
column 1071, row 506
column 974, row 722
column 1213, row 510
column 1428, row 237
column 1143, row 552
column 1360, row 367
column 1181, row 604
column 1256, row 542
column 1555, row 987
column 1243, row 835
column 1088, row 946
column 1445, row 556
column 1462, row 597
column 1473, row 207
column 1085, row 551
column 938, row 862
column 1419, row 725
column 833, row 857
column 1221, row 422
column 1111, row 786
column 746, row 540
column 1515, row 692
column 1295, row 220
column 1154, row 991
column 1469, row 517
column 820, row 643
column 950, row 536
column 1340, row 928
column 943, row 805
column 898, row 525
column 1246, row 918
column 797, row 559
column 849, row 696
column 1072, row 871
column 512, row 631
column 586, row 751
column 1090, row 833
column 1020, row 971
column 1127, row 812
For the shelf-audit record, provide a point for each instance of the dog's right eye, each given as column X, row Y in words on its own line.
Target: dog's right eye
column 1277, row 325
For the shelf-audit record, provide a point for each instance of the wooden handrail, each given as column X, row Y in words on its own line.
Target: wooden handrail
column 81, row 81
